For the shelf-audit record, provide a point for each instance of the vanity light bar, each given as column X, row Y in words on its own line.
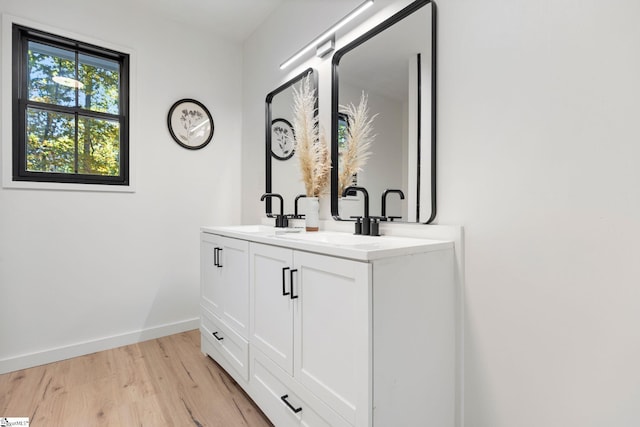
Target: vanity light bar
column 325, row 48
column 328, row 33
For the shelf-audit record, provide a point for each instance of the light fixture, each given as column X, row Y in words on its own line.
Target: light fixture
column 325, row 48
column 69, row 82
column 328, row 33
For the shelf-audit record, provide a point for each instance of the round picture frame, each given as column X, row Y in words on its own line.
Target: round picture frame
column 190, row 124
column 283, row 139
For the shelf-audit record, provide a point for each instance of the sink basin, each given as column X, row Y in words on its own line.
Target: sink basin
column 333, row 238
column 353, row 241
column 260, row 230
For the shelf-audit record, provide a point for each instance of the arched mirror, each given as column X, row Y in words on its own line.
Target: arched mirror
column 282, row 168
column 393, row 65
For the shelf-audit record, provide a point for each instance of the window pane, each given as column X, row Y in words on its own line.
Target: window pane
column 98, row 147
column 72, row 120
column 101, row 84
column 51, row 75
column 50, row 141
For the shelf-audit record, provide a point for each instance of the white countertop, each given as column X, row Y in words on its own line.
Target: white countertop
column 334, row 243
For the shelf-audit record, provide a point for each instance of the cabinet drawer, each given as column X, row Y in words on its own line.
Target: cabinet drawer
column 270, row 384
column 229, row 344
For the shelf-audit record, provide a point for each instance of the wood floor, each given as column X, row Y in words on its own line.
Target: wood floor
column 162, row 382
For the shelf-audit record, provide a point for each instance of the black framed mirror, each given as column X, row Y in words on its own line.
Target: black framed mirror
column 394, row 65
column 282, row 168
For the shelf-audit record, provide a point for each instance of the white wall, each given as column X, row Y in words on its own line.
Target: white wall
column 107, row 268
column 538, row 104
column 539, row 148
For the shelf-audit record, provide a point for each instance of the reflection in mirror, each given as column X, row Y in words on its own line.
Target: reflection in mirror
column 282, row 167
column 394, row 66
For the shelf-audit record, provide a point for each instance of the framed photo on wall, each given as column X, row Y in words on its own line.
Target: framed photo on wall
column 190, row 124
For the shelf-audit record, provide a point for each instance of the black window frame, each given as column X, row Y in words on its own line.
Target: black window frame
column 21, row 36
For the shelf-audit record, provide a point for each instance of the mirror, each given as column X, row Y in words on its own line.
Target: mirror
column 394, row 66
column 282, row 167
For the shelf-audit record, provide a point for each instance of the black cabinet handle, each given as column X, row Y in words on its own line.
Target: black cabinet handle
column 219, row 250
column 215, row 334
column 284, row 399
column 284, row 274
column 215, row 256
column 291, row 281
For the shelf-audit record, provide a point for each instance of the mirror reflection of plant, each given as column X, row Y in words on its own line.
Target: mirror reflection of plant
column 311, row 147
column 358, row 139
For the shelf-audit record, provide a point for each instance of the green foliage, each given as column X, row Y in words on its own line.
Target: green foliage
column 62, row 142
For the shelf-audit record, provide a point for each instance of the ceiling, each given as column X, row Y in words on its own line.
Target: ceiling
column 232, row 19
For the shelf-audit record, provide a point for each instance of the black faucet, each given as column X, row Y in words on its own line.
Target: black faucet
column 365, row 225
column 383, row 212
column 281, row 220
column 295, row 206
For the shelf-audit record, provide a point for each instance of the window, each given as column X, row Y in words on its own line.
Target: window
column 70, row 110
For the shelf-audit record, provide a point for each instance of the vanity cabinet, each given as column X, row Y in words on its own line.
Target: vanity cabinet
column 309, row 318
column 340, row 341
column 224, row 276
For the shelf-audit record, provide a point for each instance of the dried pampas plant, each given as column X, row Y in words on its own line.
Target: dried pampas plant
column 359, row 138
column 311, row 147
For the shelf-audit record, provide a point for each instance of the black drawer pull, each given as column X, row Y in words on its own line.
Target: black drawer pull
column 215, row 334
column 284, row 399
column 219, row 250
column 215, row 256
column 291, row 281
column 284, row 274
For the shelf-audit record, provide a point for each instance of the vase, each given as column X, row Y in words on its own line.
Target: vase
column 325, row 207
column 312, row 214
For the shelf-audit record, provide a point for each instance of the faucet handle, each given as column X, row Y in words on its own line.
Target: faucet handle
column 358, row 224
column 374, row 228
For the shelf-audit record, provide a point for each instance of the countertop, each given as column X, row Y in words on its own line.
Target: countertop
column 334, row 243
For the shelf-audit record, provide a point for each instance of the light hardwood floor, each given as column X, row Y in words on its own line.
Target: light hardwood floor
column 162, row 382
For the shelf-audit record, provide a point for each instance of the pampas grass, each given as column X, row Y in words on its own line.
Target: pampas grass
column 359, row 137
column 311, row 147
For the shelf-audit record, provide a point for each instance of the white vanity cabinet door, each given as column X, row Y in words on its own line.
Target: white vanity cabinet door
column 271, row 305
column 225, row 280
column 332, row 332
column 211, row 293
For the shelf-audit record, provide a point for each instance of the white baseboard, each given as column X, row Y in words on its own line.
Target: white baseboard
column 87, row 347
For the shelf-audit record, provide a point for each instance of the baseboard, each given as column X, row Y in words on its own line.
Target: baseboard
column 87, row 347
